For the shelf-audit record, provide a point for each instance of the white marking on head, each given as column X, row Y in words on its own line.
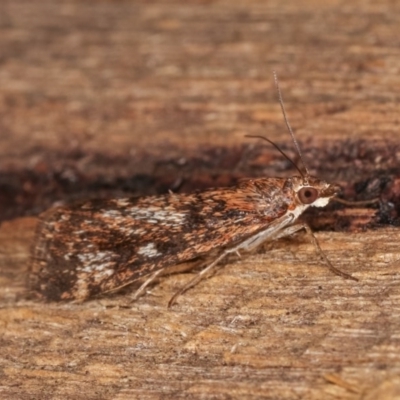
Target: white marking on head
column 300, row 208
column 321, row 202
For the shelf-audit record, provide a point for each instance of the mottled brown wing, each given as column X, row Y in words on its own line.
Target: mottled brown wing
column 91, row 248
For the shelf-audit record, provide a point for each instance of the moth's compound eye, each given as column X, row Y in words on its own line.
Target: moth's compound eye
column 308, row 195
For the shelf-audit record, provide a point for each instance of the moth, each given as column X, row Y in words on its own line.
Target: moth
column 99, row 246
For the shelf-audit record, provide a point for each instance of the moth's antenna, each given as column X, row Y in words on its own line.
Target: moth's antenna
column 279, row 149
column 287, row 123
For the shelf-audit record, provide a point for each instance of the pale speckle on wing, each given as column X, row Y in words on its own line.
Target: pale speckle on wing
column 122, row 203
column 100, row 263
column 81, row 289
column 156, row 215
column 111, row 214
column 137, row 231
column 148, row 251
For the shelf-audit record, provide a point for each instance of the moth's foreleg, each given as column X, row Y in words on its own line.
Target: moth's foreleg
column 314, row 240
column 146, row 283
column 199, row 276
column 255, row 241
column 247, row 245
column 290, row 230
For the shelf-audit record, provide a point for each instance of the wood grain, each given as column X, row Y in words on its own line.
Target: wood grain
column 85, row 84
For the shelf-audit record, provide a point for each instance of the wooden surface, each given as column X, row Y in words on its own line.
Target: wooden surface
column 95, row 93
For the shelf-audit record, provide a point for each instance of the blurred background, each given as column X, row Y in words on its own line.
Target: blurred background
column 109, row 98
column 119, row 97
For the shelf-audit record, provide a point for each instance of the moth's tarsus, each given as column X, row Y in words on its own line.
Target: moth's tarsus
column 336, row 271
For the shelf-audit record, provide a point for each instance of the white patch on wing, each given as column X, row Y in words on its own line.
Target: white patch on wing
column 96, row 267
column 100, row 264
column 137, row 231
column 122, row 202
column 111, row 213
column 155, row 215
column 148, row 251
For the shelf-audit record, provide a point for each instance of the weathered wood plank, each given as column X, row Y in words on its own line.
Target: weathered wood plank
column 84, row 85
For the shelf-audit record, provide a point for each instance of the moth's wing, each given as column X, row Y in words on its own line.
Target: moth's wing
column 101, row 245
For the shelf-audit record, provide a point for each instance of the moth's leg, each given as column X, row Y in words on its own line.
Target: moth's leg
column 146, row 283
column 324, row 257
column 247, row 245
column 255, row 241
column 288, row 231
column 199, row 277
column 252, row 243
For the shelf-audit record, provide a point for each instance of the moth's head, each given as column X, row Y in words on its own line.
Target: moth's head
column 314, row 192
